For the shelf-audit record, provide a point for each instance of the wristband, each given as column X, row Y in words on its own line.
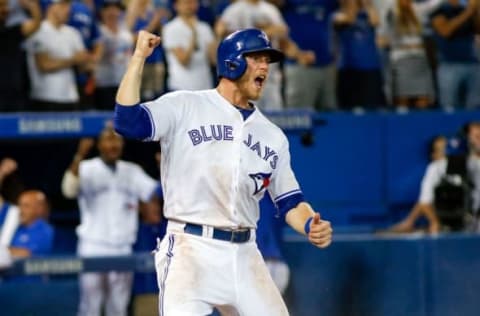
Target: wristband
column 307, row 225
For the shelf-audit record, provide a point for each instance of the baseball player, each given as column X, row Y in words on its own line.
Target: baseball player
column 108, row 191
column 219, row 156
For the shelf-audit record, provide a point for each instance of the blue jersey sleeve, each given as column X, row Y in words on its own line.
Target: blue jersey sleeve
column 288, row 201
column 133, row 121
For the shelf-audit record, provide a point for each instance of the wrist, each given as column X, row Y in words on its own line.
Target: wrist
column 138, row 56
column 306, row 228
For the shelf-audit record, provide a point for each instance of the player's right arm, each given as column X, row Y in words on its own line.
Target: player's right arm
column 131, row 119
column 128, row 93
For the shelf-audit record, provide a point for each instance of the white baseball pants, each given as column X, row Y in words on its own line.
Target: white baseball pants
column 198, row 273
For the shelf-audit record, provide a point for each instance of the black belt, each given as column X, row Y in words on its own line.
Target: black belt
column 235, row 236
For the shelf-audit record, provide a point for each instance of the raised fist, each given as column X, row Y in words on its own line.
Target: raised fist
column 84, row 146
column 7, row 166
column 146, row 43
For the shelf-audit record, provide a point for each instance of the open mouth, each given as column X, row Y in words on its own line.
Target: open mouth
column 260, row 80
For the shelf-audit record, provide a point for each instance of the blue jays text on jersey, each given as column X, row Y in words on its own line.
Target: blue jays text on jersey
column 214, row 132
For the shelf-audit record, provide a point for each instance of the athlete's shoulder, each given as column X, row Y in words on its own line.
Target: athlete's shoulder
column 184, row 97
column 182, row 94
column 86, row 166
column 128, row 165
column 90, row 161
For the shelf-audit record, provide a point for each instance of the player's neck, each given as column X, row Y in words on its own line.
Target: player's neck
column 230, row 92
column 112, row 164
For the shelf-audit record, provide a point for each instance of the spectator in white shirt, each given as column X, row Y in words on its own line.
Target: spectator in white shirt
column 117, row 45
column 53, row 52
column 190, row 49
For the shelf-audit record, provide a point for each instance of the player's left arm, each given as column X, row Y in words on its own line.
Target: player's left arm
column 290, row 201
column 306, row 221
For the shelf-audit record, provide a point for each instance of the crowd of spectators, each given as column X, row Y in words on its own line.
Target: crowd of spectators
column 342, row 54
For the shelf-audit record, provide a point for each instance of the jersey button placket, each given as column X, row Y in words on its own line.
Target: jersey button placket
column 236, row 166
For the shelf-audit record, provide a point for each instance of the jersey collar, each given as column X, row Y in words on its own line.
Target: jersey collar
column 245, row 113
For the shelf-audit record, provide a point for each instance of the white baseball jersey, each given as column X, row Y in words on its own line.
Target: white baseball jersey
column 108, row 201
column 437, row 169
column 196, row 75
column 215, row 165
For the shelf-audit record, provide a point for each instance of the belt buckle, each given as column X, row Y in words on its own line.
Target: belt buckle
column 232, row 236
column 235, row 233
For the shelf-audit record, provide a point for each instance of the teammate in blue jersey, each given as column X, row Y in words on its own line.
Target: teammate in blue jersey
column 220, row 155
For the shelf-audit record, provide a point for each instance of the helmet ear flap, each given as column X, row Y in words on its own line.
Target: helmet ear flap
column 231, row 65
column 235, row 68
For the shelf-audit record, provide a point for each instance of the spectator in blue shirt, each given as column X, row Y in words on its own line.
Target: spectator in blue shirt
column 34, row 235
column 311, row 83
column 458, row 72
column 82, row 18
column 360, row 82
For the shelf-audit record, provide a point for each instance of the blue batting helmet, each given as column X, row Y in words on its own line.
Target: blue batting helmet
column 231, row 62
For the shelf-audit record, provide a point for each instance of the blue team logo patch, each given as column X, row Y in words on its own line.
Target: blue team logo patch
column 261, row 180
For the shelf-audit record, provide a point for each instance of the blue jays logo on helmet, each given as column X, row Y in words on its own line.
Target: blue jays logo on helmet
column 231, row 62
column 261, row 180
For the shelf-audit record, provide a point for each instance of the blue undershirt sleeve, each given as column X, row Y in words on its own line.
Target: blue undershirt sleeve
column 132, row 122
